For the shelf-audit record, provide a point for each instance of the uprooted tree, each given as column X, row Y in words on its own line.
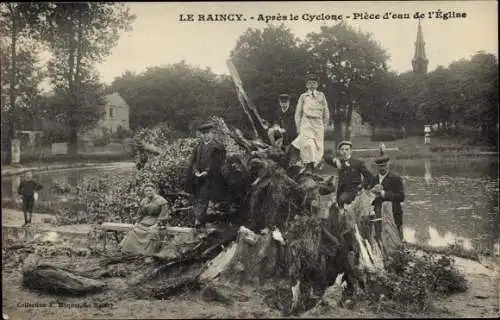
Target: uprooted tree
column 275, row 228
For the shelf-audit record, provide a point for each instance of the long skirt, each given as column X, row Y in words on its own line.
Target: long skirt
column 142, row 239
column 310, row 140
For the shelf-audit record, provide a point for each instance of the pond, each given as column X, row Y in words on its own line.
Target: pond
column 449, row 200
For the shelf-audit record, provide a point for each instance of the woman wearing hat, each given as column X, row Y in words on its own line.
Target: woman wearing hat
column 144, row 238
column 311, row 118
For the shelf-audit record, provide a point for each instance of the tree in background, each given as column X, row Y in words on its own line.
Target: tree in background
column 20, row 75
column 348, row 62
column 80, row 35
column 178, row 94
column 270, row 62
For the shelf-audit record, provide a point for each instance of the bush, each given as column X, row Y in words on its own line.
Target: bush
column 413, row 281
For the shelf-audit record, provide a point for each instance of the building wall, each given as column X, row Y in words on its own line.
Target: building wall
column 358, row 128
column 116, row 114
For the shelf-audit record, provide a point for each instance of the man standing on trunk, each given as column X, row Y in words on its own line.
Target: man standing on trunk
column 311, row 118
column 27, row 189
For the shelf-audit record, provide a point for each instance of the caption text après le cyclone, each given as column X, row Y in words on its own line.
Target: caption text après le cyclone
column 236, row 17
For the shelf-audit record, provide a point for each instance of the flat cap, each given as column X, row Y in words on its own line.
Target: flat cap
column 206, row 126
column 311, row 77
column 284, row 96
column 380, row 161
column 345, row 142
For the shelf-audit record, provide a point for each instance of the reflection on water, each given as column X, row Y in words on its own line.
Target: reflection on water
column 427, row 174
column 448, row 200
column 56, row 185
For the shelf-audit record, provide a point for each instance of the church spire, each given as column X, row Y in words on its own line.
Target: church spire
column 419, row 61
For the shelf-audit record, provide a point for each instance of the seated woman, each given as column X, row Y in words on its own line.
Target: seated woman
column 145, row 237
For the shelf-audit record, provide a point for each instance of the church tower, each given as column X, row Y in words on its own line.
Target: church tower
column 419, row 61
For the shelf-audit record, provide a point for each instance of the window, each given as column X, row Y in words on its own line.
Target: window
column 111, row 111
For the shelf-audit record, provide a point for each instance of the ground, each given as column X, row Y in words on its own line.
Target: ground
column 482, row 299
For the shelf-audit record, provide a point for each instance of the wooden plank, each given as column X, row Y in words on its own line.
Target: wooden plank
column 115, row 226
column 376, row 149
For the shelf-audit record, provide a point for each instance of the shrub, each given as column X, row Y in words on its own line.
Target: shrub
column 413, row 281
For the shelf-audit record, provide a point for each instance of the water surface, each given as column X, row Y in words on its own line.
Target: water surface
column 448, row 200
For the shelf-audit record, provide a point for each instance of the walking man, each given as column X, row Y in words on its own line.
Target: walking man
column 27, row 189
column 204, row 178
column 353, row 174
column 388, row 186
column 311, row 118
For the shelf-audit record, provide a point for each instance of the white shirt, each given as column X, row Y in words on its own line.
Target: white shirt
column 381, row 177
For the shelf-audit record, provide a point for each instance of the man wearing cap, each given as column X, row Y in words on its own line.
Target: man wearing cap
column 352, row 174
column 285, row 119
column 311, row 117
column 204, row 176
column 388, row 186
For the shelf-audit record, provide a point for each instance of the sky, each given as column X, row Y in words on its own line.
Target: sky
column 159, row 37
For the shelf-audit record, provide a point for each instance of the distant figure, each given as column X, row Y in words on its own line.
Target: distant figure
column 388, row 186
column 204, row 177
column 153, row 212
column 353, row 174
column 27, row 189
column 141, row 157
column 311, row 118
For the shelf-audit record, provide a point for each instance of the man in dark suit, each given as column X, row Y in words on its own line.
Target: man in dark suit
column 204, row 177
column 353, row 173
column 388, row 186
column 285, row 118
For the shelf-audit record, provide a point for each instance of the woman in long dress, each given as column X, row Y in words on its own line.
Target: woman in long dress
column 144, row 238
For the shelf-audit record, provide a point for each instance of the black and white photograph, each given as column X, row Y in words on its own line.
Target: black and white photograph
column 250, row 159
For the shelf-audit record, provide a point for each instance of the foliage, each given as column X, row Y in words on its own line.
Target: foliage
column 20, row 76
column 178, row 95
column 80, row 35
column 270, row 62
column 414, row 281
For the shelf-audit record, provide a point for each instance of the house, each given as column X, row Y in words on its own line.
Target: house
column 116, row 116
column 358, row 127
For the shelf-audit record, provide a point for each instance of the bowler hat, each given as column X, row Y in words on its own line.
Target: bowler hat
column 207, row 126
column 382, row 160
column 345, row 142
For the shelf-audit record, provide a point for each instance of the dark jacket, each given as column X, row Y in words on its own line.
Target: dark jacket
column 27, row 188
column 286, row 120
column 394, row 192
column 208, row 157
column 350, row 176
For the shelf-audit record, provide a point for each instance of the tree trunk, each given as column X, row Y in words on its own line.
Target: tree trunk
column 13, row 80
column 53, row 279
column 348, row 123
column 73, row 122
column 337, row 122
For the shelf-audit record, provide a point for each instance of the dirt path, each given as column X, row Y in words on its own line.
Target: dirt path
column 481, row 300
column 41, row 221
